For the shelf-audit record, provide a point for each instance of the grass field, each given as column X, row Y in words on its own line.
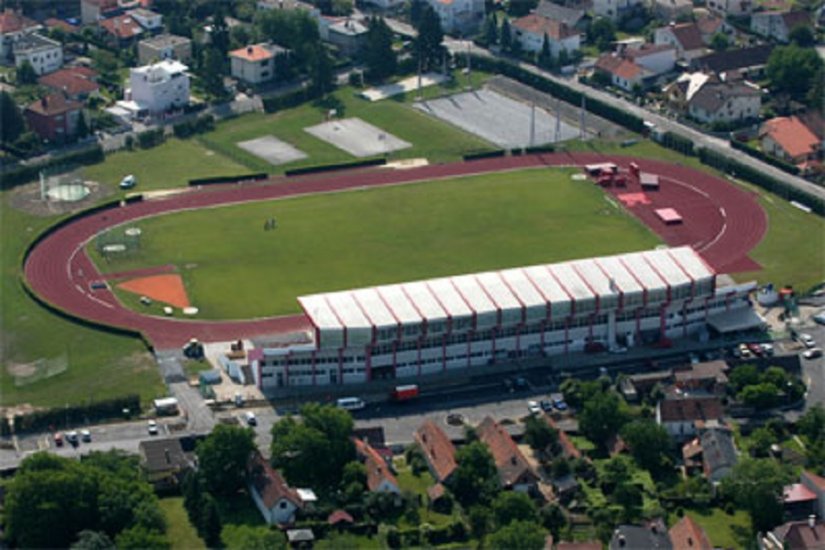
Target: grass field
column 179, row 531
column 724, row 531
column 394, row 234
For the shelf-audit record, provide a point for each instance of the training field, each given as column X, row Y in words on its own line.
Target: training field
column 357, row 137
column 498, row 119
column 234, row 268
column 272, row 150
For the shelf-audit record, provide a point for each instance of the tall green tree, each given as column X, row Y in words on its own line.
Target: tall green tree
column 510, row 506
column 11, row 121
column 545, row 57
column 428, row 45
column 601, row 33
column 506, row 36
column 140, row 538
column 93, row 540
column 223, row 457
column 26, row 74
column 755, row 484
column 524, row 535
column 519, row 8
column 648, row 442
column 379, row 55
column 210, row 527
column 539, row 434
column 213, row 71
column 322, row 77
column 719, row 42
column 802, row 36
column 491, row 29
column 792, row 69
column 246, row 537
column 220, row 30
column 601, row 417
column 553, row 519
column 475, row 480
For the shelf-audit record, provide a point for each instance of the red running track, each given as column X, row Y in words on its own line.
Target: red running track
column 721, row 221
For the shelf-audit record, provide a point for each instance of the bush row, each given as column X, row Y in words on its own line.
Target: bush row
column 678, row 143
column 188, row 128
column 229, row 179
column 151, row 138
column 756, row 153
column 337, row 166
column 22, row 174
column 64, row 417
column 425, row 535
column 485, row 154
column 287, row 101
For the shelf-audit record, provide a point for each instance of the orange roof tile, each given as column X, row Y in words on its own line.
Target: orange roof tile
column 255, row 52
column 11, row 21
column 377, row 468
column 122, row 26
column 512, row 467
column 792, row 135
column 537, row 24
column 689, row 535
column 438, row 449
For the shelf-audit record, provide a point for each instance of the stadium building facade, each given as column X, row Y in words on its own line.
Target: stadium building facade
column 412, row 329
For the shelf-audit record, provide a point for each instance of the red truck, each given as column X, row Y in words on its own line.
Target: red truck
column 405, row 393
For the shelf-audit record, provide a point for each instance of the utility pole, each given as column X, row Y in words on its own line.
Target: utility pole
column 558, row 120
column 532, row 124
column 581, row 119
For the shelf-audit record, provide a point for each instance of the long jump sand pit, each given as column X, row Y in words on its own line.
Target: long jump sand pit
column 498, row 119
column 168, row 289
column 272, row 150
column 357, row 137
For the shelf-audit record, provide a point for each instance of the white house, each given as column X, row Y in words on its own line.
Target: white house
column 718, row 101
column 613, row 9
column 164, row 46
column 13, row 25
column 658, row 59
column 255, row 64
column 730, row 7
column 149, row 20
column 459, row 16
column 679, row 414
column 159, row 87
column 623, row 73
column 685, row 37
column 276, row 500
column 531, row 29
column 43, row 54
column 380, row 478
column 778, row 25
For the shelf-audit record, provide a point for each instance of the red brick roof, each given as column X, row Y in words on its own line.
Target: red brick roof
column 512, row 467
column 54, row 104
column 122, row 26
column 73, row 80
column 618, row 66
column 792, row 135
column 814, row 479
column 339, row 516
column 709, row 24
column 797, row 493
column 255, row 52
column 438, row 449
column 271, row 486
column 537, row 24
column 688, row 35
column 54, row 23
column 567, row 446
column 689, row 535
column 583, row 545
column 11, row 21
column 688, row 409
column 377, row 469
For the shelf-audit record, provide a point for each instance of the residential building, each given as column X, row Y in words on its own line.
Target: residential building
column 685, row 37
column 573, row 18
column 348, row 35
column 160, row 87
column 787, row 138
column 43, row 54
column 164, row 462
column 719, row 454
column 568, row 448
column 653, row 536
column 749, row 62
column 671, row 10
column 462, row 17
column 686, row 534
column 718, row 101
column 277, row 501
column 267, row 5
column 678, row 413
column 164, row 46
column 255, row 64
column 623, row 73
column 78, row 83
column 455, row 324
column 150, row 21
column 380, row 478
column 121, row 31
column 795, row 535
column 708, row 376
column 798, row 502
column 614, row 9
column 656, row 58
column 92, row 11
column 438, row 450
column 13, row 26
column 531, row 29
column 725, row 8
column 710, row 25
column 514, row 472
column 62, row 24
column 816, row 483
column 778, row 25
column 54, row 117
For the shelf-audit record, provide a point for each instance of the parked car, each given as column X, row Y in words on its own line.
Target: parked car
column 812, row 353
column 250, row 418
column 128, row 182
column 546, row 405
column 72, row 438
column 744, row 352
column 755, row 349
column 152, row 427
column 767, row 349
column 533, row 407
column 807, row 340
column 86, row 435
column 58, row 439
column 819, row 318
column 558, row 402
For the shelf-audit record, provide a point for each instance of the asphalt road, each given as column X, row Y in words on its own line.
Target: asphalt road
column 813, row 371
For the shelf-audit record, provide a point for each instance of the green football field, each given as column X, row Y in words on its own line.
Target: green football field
column 233, row 268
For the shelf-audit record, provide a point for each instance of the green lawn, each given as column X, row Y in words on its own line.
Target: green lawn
column 180, row 532
column 394, row 234
column 724, row 531
column 100, row 365
column 419, row 485
column 171, row 164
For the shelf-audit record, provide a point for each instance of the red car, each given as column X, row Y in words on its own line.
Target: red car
column 58, row 439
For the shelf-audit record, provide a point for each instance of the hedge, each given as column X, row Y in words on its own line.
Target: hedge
column 23, row 173
column 485, row 154
column 151, row 138
column 189, row 128
column 768, row 159
column 64, row 417
column 678, row 143
column 337, row 166
column 287, row 101
column 229, row 179
column 548, row 148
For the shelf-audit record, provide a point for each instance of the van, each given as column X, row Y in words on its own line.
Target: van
column 351, row 403
column 250, row 418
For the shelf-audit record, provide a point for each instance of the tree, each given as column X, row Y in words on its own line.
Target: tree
column 193, row 494
column 553, row 519
column 760, row 396
column 475, row 480
column 223, row 457
column 213, row 71
column 743, row 375
column 755, row 484
column 93, row 540
column 648, row 442
column 802, row 36
column 491, row 29
column 719, row 42
column 545, row 58
column 576, row 391
column 519, row 8
column 539, row 434
column 616, row 471
column 210, row 525
column 480, row 520
column 322, row 78
column 219, row 37
column 792, row 69
column 524, row 535
column 11, row 121
column 812, row 423
column 602, row 33
column 246, row 537
column 26, row 74
column 506, row 38
column 601, row 417
column 430, row 36
column 379, row 55
column 354, row 481
column 140, row 538
column 510, row 506
column 761, row 440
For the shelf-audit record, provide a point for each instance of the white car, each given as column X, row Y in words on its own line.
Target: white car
column 153, row 427
column 85, row 435
column 128, row 182
column 812, row 353
column 534, row 407
column 807, row 339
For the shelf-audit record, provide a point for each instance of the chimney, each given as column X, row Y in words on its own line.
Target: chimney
column 249, row 50
column 812, row 521
column 690, row 541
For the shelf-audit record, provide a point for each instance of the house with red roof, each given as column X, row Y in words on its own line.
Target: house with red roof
column 686, row 534
column 778, row 25
column 789, row 139
column 569, row 450
column 514, row 472
column 255, row 63
column 438, row 450
column 807, row 534
column 623, row 73
column 121, row 31
column 92, row 11
column 277, row 501
column 685, row 37
column 380, row 478
column 531, row 29
column 679, row 414
column 54, row 117
column 13, row 25
column 798, row 501
column 629, row 68
column 77, row 83
column 816, row 484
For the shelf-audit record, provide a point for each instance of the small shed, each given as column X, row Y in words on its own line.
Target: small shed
column 649, row 182
column 166, row 406
column 300, row 538
column 340, row 518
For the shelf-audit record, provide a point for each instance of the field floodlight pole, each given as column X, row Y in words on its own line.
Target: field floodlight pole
column 532, row 124
column 419, row 77
column 42, row 186
column 558, row 120
column 581, row 119
column 469, row 67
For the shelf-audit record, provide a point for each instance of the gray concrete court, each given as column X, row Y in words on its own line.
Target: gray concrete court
column 497, row 118
column 357, row 137
column 272, row 150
